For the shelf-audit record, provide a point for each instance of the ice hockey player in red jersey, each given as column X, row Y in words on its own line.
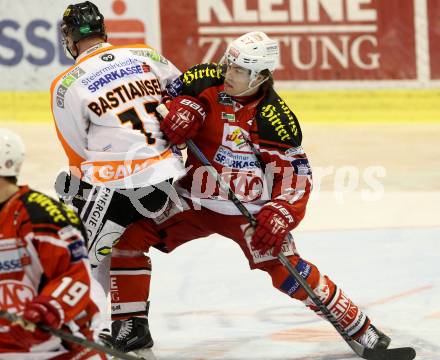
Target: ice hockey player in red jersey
column 232, row 113
column 44, row 269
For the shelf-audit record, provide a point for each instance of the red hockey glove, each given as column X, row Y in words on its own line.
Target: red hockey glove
column 186, row 115
column 39, row 310
column 274, row 223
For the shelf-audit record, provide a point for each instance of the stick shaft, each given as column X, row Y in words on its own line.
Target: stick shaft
column 70, row 337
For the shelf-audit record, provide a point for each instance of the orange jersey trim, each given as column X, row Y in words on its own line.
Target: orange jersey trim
column 104, row 171
column 75, row 159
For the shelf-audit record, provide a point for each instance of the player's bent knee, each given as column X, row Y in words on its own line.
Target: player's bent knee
column 137, row 237
column 285, row 282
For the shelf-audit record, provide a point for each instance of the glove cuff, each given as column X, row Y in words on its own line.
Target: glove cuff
column 53, row 307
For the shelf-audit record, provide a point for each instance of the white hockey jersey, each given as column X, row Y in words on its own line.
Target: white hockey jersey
column 104, row 112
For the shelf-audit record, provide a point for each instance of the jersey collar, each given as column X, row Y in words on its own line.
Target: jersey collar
column 92, row 49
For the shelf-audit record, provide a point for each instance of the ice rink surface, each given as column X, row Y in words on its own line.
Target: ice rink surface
column 206, row 304
column 384, row 252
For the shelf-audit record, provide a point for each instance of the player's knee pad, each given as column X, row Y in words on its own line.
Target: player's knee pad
column 285, row 282
column 109, row 235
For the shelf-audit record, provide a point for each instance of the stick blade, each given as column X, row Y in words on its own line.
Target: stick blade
column 403, row 353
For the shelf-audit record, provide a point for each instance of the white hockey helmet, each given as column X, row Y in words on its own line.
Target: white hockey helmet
column 254, row 51
column 12, row 152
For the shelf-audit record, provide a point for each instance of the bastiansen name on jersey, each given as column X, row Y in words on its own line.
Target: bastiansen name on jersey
column 104, row 111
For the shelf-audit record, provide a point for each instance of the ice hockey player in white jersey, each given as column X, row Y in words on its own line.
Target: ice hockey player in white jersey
column 121, row 167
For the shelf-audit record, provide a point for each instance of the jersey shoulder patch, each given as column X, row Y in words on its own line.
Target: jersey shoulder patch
column 42, row 209
column 149, row 54
column 61, row 85
column 277, row 124
column 195, row 80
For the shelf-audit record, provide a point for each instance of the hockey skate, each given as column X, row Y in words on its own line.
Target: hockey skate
column 130, row 335
column 374, row 339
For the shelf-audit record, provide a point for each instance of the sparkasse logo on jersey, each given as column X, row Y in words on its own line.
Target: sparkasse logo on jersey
column 10, row 265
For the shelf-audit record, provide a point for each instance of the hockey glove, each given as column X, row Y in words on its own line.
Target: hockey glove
column 185, row 117
column 39, row 310
column 274, row 223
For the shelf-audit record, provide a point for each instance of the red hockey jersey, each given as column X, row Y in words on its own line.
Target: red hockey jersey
column 42, row 252
column 255, row 147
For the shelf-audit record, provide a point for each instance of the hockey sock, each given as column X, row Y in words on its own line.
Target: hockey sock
column 348, row 315
column 129, row 285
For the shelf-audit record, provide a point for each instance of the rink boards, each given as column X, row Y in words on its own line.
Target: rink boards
column 337, row 105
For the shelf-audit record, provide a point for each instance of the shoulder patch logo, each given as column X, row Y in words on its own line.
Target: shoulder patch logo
column 151, row 54
column 301, row 167
column 175, row 87
column 228, row 117
column 107, row 57
column 77, row 251
column 294, row 151
column 224, row 99
column 66, row 82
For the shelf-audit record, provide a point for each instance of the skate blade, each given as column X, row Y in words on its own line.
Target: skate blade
column 145, row 353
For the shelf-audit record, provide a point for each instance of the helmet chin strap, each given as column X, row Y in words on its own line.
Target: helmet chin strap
column 250, row 88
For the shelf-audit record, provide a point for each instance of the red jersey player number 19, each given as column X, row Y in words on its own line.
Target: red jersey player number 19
column 44, row 270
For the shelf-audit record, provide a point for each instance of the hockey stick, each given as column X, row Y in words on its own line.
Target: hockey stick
column 404, row 353
column 66, row 336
